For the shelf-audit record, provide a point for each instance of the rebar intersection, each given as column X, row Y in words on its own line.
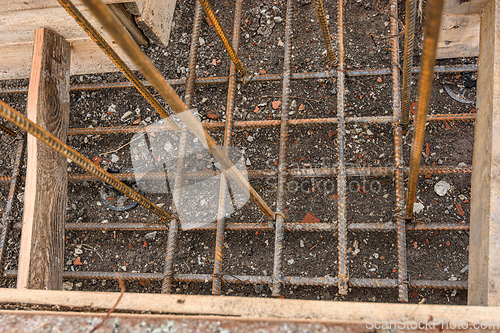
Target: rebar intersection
column 342, row 281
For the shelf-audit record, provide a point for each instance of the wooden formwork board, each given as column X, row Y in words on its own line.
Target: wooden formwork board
column 19, row 20
column 248, row 307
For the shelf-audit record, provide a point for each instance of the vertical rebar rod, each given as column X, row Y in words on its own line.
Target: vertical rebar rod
column 283, row 150
column 115, row 58
column 190, row 84
column 431, row 34
column 343, row 273
column 144, row 64
column 398, row 154
column 6, row 219
column 223, row 37
column 228, row 128
column 47, row 138
column 332, row 59
column 411, row 9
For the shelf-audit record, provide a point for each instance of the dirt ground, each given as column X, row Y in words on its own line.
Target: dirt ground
column 431, row 255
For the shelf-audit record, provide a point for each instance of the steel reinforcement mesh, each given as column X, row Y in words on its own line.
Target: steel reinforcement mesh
column 341, row 170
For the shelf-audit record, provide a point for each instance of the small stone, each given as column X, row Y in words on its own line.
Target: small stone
column 290, row 261
column 418, row 207
column 379, row 79
column 97, row 160
column 111, row 108
column 78, row 285
column 202, row 41
column 441, row 188
column 375, row 255
column 67, row 285
column 20, row 196
column 248, row 163
column 302, row 243
column 302, row 107
column 293, row 105
column 126, row 115
column 212, row 116
column 250, row 138
column 124, row 268
column 462, row 197
column 114, row 158
column 203, row 202
column 151, row 235
column 218, row 165
column 465, row 269
column 280, row 43
column 369, row 132
column 276, row 104
column 278, row 19
column 168, row 147
column 214, row 62
column 462, row 165
column 77, row 261
column 258, row 289
column 453, row 278
column 78, row 251
column 331, row 134
column 310, row 218
column 137, row 121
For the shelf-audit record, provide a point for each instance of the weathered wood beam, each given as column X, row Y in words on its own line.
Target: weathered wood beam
column 484, row 246
column 253, row 307
column 459, row 36
column 41, row 255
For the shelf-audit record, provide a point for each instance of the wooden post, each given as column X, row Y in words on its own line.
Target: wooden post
column 41, row 255
column 484, row 254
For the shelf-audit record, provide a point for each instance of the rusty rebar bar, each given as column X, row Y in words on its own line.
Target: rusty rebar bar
column 179, row 177
column 293, row 226
column 114, row 27
column 115, row 58
column 23, row 123
column 256, row 280
column 343, row 272
column 222, row 36
column 410, row 12
column 431, row 34
column 6, row 216
column 255, row 78
column 398, row 154
column 282, row 158
column 228, row 128
column 320, row 11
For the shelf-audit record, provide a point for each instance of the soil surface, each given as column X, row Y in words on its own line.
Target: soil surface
column 431, row 255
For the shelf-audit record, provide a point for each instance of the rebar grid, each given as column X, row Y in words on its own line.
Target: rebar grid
column 341, row 171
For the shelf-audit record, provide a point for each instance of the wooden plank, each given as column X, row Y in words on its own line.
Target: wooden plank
column 128, row 22
column 248, row 307
column 15, row 5
column 156, row 20
column 459, row 36
column 41, row 255
column 18, row 27
column 455, row 7
column 484, row 254
column 86, row 58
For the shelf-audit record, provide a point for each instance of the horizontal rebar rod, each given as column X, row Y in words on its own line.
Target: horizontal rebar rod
column 295, row 173
column 23, row 123
column 144, row 64
column 269, row 124
column 290, row 226
column 251, row 280
column 254, row 78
